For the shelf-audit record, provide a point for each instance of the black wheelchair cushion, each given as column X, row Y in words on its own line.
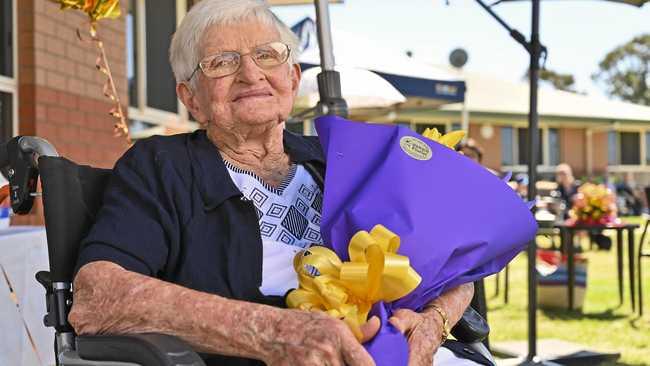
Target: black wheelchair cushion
column 147, row 349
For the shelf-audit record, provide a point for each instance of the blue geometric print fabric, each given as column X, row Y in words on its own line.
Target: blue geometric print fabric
column 289, row 218
column 289, row 213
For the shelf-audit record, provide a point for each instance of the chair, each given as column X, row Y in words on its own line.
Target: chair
column 72, row 195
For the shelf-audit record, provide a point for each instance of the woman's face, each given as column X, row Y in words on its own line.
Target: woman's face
column 252, row 97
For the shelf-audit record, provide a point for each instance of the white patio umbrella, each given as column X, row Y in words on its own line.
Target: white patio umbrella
column 424, row 85
column 361, row 89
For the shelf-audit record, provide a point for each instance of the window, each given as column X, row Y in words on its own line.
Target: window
column 507, row 146
column 624, row 148
column 630, row 148
column 514, row 146
column 6, row 33
column 6, row 116
column 7, row 69
column 131, row 54
column 161, row 85
column 612, row 148
column 152, row 87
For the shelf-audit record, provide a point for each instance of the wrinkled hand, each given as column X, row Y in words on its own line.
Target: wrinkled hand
column 305, row 338
column 423, row 332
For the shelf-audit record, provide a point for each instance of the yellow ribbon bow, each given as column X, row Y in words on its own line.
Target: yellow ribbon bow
column 450, row 139
column 347, row 290
column 96, row 9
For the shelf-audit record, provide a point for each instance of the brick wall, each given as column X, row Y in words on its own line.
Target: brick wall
column 573, row 149
column 59, row 89
column 599, row 141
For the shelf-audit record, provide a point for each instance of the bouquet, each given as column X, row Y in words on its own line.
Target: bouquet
column 594, row 204
column 406, row 218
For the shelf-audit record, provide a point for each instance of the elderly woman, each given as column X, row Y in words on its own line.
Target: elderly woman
column 197, row 233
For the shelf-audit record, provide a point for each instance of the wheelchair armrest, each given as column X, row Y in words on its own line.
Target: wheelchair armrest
column 147, row 349
column 471, row 328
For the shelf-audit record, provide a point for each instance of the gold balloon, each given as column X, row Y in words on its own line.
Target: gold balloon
column 96, row 9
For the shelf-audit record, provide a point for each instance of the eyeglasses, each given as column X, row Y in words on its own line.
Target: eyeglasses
column 227, row 63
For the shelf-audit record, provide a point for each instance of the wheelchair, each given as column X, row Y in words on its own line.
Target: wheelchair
column 72, row 195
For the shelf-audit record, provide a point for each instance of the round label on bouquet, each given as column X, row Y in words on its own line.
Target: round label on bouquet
column 415, row 148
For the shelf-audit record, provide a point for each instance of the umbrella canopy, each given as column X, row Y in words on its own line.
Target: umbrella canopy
column 361, row 89
column 423, row 84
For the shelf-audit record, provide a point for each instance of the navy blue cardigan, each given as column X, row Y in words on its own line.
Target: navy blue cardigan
column 172, row 212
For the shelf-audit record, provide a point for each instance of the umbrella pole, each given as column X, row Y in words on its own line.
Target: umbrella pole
column 535, row 50
column 329, row 81
column 533, row 149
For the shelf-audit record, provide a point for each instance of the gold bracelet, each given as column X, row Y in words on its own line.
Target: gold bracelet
column 445, row 320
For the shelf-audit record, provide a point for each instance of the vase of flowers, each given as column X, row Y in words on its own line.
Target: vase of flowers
column 594, row 205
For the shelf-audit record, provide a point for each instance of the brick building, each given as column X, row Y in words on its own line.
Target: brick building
column 49, row 85
column 596, row 136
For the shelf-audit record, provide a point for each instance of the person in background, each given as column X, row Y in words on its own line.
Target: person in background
column 630, row 196
column 471, row 149
column 521, row 185
column 567, row 185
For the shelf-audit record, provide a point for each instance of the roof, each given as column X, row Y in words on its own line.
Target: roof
column 492, row 95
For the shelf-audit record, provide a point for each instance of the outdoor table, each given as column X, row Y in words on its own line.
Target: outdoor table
column 25, row 340
column 567, row 230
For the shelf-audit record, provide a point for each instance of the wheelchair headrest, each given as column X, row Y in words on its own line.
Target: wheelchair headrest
column 72, row 196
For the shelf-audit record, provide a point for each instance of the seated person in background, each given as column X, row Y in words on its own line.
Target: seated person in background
column 198, row 231
column 629, row 196
column 567, row 186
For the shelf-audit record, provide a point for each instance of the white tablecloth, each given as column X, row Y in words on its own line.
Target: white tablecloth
column 23, row 252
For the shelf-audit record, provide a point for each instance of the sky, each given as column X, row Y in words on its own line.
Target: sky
column 577, row 33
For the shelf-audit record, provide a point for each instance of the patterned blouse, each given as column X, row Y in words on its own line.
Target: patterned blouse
column 289, row 218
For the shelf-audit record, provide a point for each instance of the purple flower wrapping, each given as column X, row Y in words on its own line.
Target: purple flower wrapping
column 457, row 221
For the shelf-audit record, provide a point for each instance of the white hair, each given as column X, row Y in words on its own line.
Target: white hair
column 185, row 53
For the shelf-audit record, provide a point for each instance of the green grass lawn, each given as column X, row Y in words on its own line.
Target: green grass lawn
column 602, row 324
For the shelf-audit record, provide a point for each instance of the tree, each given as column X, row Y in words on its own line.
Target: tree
column 559, row 81
column 625, row 71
